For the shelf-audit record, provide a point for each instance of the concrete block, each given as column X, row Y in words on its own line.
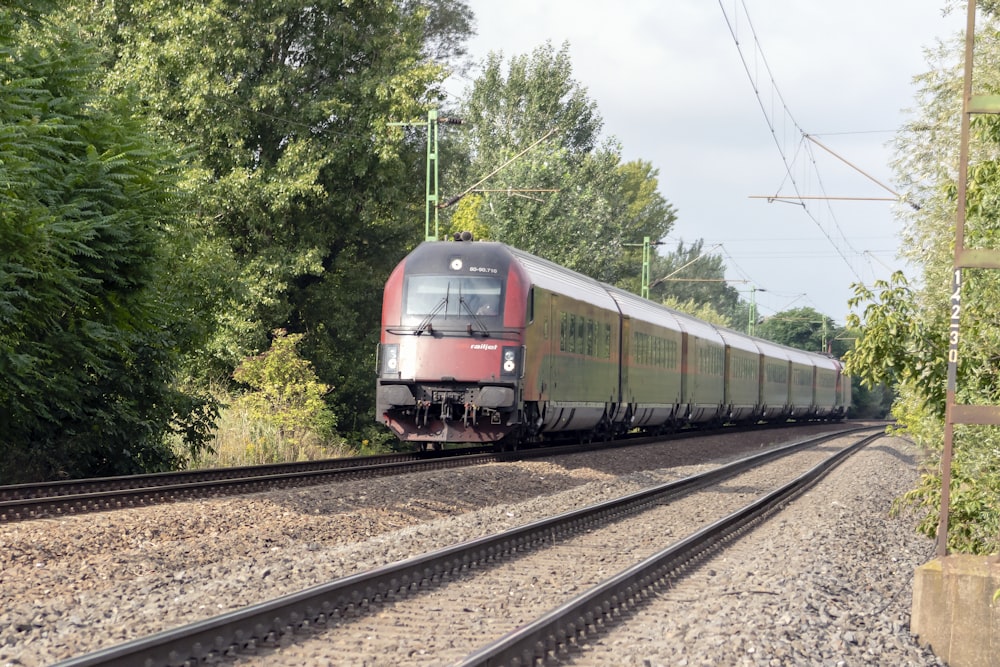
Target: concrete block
column 954, row 612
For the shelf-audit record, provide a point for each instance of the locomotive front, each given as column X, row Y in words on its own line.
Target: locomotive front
column 451, row 351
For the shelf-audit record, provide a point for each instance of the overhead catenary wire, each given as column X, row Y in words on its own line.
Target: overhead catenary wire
column 488, row 176
column 778, row 98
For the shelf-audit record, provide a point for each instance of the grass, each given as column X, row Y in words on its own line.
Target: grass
column 241, row 440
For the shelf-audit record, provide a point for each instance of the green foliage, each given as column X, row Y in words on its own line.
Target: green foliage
column 447, row 24
column 703, row 311
column 692, row 273
column 90, row 331
column 895, row 342
column 465, row 218
column 870, row 403
column 303, row 190
column 974, row 518
column 802, row 328
column 569, row 199
column 286, row 390
column 248, row 433
column 904, row 330
column 287, row 399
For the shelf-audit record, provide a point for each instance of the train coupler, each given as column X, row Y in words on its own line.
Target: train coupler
column 470, row 413
column 423, row 412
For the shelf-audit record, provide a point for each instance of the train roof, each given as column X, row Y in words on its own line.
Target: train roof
column 649, row 311
column 559, row 279
column 738, row 340
column 823, row 361
column 792, row 354
column 642, row 309
column 549, row 275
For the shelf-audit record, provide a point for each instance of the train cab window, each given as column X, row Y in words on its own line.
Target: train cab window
column 452, row 296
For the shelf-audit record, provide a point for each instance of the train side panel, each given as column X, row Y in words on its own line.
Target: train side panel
column 538, row 337
column 583, row 365
column 827, row 374
column 843, row 393
column 775, row 380
column 577, row 330
column 742, row 382
column 704, row 358
column 652, row 346
column 652, row 373
column 801, row 388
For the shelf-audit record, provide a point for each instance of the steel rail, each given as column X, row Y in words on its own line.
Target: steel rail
column 545, row 639
column 124, row 482
column 34, row 501
column 148, row 480
column 34, row 508
column 265, row 623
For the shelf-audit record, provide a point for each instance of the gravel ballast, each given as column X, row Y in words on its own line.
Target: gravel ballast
column 73, row 585
column 827, row 581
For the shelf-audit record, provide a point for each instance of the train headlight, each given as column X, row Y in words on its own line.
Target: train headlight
column 511, row 364
column 390, row 359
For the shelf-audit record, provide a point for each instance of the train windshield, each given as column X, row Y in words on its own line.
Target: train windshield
column 452, row 296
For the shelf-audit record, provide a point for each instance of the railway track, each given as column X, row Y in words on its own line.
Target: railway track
column 34, row 501
column 561, row 544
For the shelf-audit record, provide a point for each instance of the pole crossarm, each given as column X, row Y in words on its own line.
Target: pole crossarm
column 678, row 270
column 488, row 176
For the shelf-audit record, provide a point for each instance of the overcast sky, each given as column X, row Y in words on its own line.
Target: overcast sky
column 670, row 84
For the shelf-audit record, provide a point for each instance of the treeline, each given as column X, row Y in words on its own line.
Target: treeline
column 189, row 187
column 201, row 203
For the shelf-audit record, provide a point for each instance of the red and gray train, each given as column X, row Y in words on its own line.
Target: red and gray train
column 484, row 343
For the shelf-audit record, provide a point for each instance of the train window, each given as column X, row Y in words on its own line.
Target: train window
column 452, row 296
column 711, row 360
column 777, row 373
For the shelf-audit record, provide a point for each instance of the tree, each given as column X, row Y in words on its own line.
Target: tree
column 285, row 395
column 704, row 312
column 904, row 330
column 570, row 198
column 447, row 25
column 284, row 112
column 90, row 323
column 805, row 329
column 689, row 273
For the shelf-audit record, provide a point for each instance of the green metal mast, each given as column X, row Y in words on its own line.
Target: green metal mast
column 432, row 198
column 646, row 256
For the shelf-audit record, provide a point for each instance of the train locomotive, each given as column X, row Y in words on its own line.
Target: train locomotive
column 484, row 343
